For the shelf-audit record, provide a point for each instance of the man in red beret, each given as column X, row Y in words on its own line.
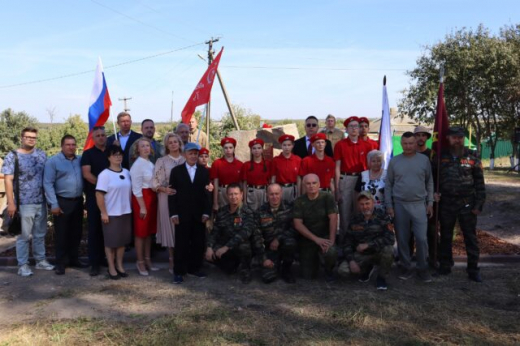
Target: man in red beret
column 334, row 135
column 284, row 169
column 303, row 146
column 350, row 155
column 364, row 128
column 320, row 164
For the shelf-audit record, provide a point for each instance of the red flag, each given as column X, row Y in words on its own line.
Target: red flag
column 202, row 92
column 440, row 129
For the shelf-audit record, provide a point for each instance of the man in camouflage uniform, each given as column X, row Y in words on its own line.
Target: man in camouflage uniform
column 277, row 235
column 368, row 242
column 316, row 219
column 462, row 196
column 229, row 243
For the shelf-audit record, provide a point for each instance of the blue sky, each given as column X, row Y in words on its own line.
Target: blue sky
column 341, row 50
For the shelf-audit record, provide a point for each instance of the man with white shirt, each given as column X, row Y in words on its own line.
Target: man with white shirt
column 303, row 146
column 190, row 208
column 125, row 137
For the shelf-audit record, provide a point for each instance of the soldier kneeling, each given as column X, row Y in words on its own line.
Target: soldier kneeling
column 276, row 233
column 368, row 242
column 229, row 243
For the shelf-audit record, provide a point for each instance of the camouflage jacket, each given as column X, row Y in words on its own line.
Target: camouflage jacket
column 232, row 229
column 271, row 226
column 377, row 232
column 461, row 178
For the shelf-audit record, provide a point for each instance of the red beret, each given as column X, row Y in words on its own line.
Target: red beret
column 318, row 136
column 364, row 120
column 349, row 120
column 284, row 138
column 203, row 151
column 256, row 141
column 227, row 140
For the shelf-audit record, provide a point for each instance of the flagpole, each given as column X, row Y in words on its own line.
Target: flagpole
column 200, row 123
column 437, row 183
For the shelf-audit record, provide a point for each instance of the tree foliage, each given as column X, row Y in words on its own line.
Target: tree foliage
column 481, row 81
column 11, row 125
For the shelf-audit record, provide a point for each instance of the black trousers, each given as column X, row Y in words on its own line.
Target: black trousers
column 190, row 245
column 235, row 259
column 68, row 229
column 449, row 214
column 96, row 243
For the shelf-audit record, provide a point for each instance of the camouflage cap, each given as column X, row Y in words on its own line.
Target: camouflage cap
column 456, row 131
column 365, row 194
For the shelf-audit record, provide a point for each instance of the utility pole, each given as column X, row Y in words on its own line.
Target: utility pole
column 226, row 97
column 124, row 99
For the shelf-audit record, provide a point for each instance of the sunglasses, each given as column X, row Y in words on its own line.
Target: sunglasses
column 311, row 125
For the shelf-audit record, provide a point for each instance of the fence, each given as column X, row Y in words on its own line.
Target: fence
column 502, row 149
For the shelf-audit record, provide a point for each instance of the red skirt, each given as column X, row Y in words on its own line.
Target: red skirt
column 147, row 226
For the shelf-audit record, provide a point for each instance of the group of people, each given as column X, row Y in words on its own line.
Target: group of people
column 325, row 200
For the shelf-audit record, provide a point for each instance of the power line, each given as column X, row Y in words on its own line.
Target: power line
column 312, row 68
column 141, row 22
column 106, row 68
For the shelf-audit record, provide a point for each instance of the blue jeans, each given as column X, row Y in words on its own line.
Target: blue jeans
column 34, row 223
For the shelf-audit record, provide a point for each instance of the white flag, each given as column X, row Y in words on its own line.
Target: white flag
column 385, row 132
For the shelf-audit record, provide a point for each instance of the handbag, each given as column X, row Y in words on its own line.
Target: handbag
column 13, row 225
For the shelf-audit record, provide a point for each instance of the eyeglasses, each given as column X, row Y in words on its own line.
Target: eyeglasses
column 95, row 128
column 30, row 137
column 312, row 125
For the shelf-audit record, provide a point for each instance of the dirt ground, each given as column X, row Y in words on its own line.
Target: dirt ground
column 501, row 215
column 76, row 309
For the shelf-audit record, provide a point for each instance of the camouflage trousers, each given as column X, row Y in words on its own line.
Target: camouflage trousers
column 282, row 258
column 237, row 259
column 310, row 257
column 383, row 259
column 449, row 213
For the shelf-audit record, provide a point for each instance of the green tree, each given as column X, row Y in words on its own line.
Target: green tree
column 479, row 70
column 11, row 125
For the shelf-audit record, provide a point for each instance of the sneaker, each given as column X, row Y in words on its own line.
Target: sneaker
column 475, row 277
column 365, row 277
column 424, row 275
column 381, row 284
column 200, row 275
column 177, row 279
column 406, row 273
column 44, row 265
column 25, row 270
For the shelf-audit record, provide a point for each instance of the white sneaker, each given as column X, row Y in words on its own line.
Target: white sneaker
column 25, row 270
column 43, row 264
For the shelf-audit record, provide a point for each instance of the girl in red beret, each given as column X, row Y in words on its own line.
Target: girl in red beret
column 320, row 164
column 256, row 174
column 285, row 167
column 225, row 171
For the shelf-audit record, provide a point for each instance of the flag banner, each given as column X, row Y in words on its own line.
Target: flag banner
column 202, row 92
column 100, row 103
column 386, row 145
column 440, row 129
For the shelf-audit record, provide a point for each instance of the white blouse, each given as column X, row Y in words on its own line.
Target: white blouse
column 141, row 173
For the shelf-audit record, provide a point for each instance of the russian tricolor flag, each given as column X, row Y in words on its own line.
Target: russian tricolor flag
column 100, row 103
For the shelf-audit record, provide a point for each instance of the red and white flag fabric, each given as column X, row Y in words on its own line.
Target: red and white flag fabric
column 202, row 92
column 440, row 129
